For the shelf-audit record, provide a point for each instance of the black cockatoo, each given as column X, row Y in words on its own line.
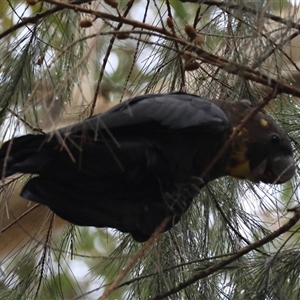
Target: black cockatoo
column 143, row 160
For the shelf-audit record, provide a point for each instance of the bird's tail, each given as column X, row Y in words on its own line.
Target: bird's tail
column 22, row 155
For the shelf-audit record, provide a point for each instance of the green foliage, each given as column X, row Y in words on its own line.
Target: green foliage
column 54, row 72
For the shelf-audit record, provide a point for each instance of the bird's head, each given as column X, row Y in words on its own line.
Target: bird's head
column 261, row 151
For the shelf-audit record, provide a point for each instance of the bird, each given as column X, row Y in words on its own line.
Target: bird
column 146, row 159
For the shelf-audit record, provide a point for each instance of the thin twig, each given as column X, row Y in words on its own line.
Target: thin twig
column 181, row 67
column 19, row 217
column 135, row 258
column 43, row 261
column 135, row 55
column 105, row 59
column 26, row 123
column 242, row 7
column 276, row 47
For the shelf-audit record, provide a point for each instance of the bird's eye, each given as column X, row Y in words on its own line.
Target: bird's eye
column 275, row 138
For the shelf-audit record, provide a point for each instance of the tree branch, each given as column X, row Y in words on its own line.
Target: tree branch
column 242, row 7
column 238, row 254
column 32, row 20
column 229, row 66
column 114, row 285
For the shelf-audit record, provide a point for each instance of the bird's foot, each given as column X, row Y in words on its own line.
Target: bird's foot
column 180, row 197
column 194, row 185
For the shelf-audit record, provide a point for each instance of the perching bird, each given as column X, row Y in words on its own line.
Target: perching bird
column 144, row 159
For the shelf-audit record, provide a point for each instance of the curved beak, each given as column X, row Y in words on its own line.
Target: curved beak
column 280, row 170
column 275, row 170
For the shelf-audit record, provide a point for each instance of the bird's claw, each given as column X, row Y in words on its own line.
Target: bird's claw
column 180, row 198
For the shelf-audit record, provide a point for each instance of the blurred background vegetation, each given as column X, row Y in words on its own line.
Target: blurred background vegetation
column 63, row 61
